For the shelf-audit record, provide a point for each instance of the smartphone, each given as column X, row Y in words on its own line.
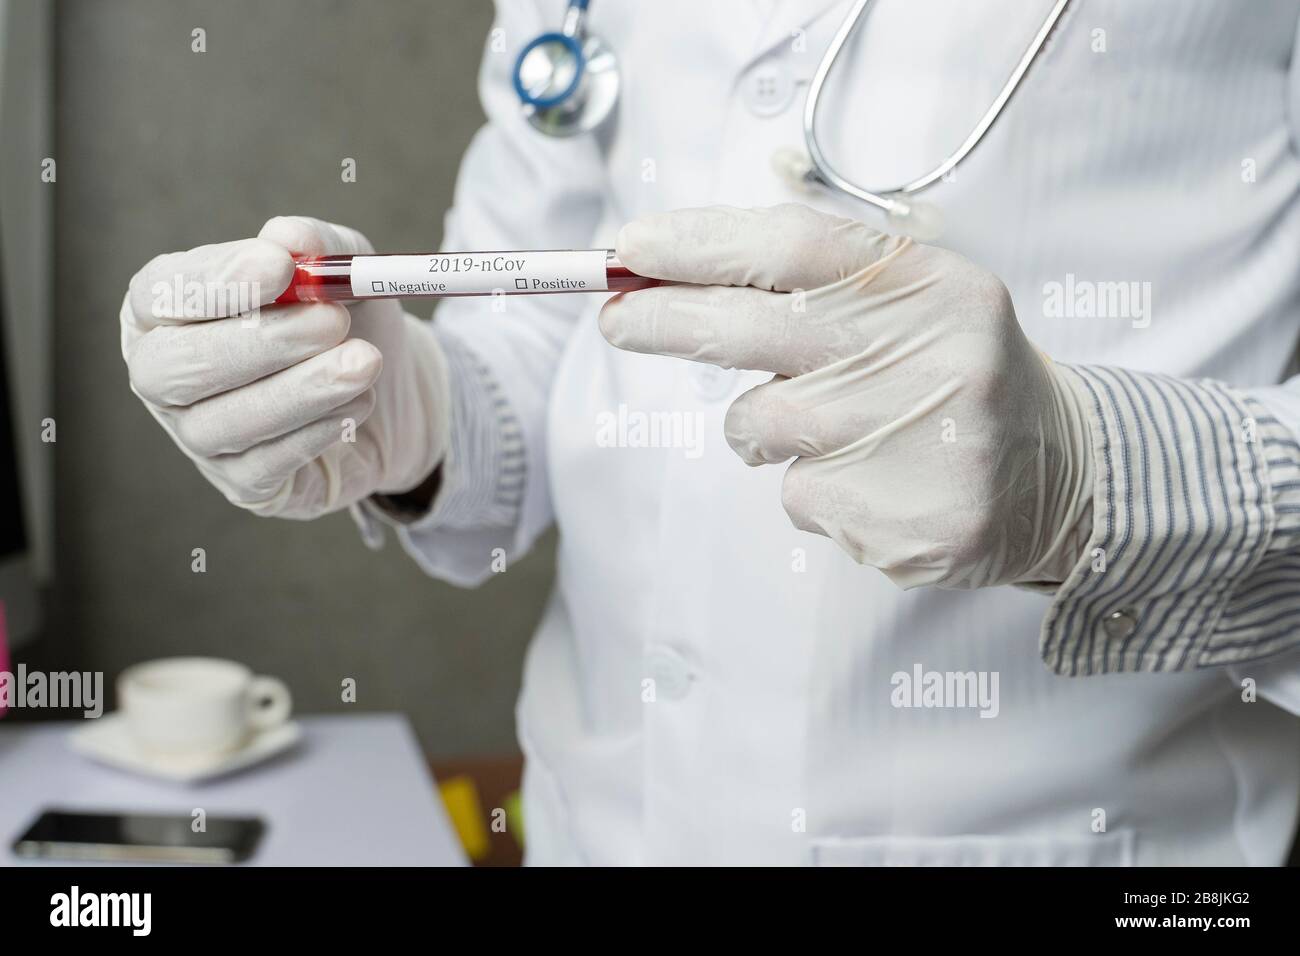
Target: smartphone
column 139, row 838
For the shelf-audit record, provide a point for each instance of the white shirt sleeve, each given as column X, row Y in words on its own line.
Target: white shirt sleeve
column 517, row 189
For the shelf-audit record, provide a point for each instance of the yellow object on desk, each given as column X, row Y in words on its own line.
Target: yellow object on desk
column 461, row 799
column 515, row 817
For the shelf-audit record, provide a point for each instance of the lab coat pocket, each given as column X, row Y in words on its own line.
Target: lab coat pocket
column 1099, row 849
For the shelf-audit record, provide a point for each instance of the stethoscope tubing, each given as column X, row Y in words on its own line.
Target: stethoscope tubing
column 888, row 200
column 820, row 170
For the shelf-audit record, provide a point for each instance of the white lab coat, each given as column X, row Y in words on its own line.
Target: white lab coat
column 771, row 736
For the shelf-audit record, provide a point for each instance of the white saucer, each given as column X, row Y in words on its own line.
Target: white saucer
column 107, row 741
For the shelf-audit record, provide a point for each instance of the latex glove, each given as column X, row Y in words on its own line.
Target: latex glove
column 303, row 410
column 931, row 440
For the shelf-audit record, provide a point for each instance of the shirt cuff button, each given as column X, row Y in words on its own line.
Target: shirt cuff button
column 1120, row 624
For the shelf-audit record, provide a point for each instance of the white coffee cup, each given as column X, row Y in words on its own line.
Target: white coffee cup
column 198, row 705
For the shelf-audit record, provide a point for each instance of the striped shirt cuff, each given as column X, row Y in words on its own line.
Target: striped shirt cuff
column 1263, row 617
column 1192, row 510
column 483, row 472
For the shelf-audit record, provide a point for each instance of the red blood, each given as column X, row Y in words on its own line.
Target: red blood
column 319, row 279
column 329, row 279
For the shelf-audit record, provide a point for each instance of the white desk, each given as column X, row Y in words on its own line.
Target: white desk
column 355, row 791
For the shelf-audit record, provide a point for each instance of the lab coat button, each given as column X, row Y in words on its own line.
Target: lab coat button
column 1120, row 624
column 768, row 88
column 711, row 384
column 671, row 674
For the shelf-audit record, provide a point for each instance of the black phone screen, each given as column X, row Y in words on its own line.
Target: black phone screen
column 73, row 835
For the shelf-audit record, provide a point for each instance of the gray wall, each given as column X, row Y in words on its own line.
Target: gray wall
column 160, row 148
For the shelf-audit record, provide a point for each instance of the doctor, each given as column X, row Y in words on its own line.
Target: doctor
column 1056, row 430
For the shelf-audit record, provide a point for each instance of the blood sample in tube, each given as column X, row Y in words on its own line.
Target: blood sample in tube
column 537, row 272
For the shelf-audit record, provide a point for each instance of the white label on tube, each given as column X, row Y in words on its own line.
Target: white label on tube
column 479, row 273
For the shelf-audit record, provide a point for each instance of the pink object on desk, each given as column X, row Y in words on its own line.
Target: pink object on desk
column 4, row 649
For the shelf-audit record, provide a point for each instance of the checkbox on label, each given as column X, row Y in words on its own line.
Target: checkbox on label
column 521, row 283
column 376, row 287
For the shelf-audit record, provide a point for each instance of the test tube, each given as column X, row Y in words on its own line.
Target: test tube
column 387, row 276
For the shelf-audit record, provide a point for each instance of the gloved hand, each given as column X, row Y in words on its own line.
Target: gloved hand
column 931, row 440
column 303, row 410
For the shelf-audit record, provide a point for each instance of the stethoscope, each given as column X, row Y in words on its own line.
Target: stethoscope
column 568, row 84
